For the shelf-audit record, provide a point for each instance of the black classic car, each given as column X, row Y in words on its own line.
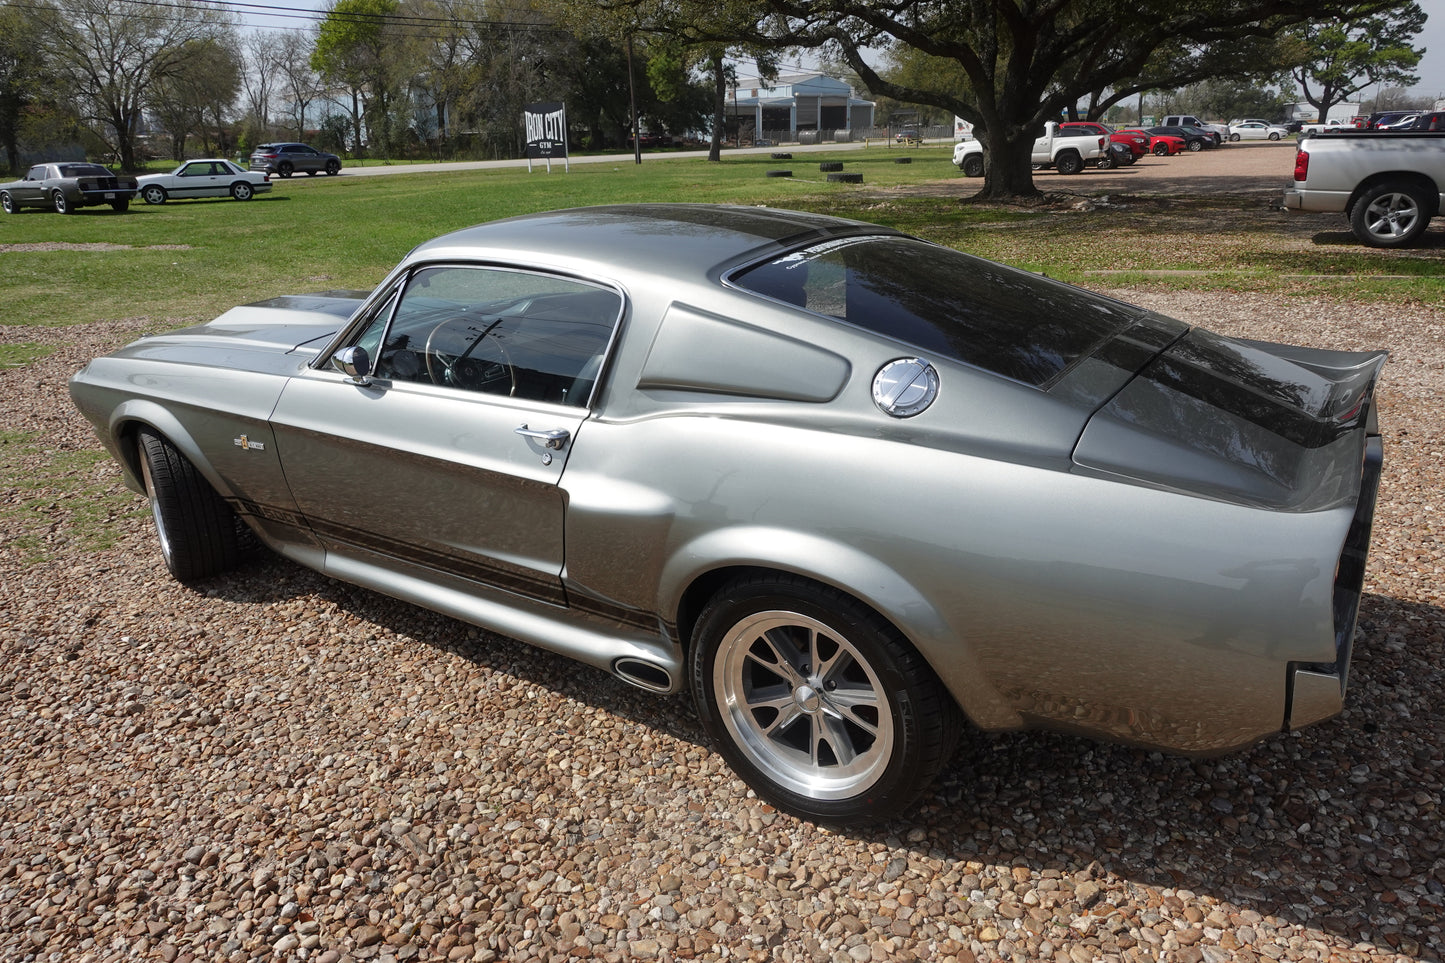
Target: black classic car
column 67, row 187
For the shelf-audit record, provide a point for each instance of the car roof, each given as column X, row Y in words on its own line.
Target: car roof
column 659, row 239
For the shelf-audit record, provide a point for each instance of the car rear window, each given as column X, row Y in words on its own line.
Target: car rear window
column 946, row 303
column 83, row 170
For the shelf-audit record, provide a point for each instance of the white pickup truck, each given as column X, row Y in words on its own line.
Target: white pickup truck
column 1319, row 128
column 1066, row 153
column 1389, row 184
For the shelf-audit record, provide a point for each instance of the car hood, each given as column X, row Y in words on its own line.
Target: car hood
column 255, row 336
column 1267, row 425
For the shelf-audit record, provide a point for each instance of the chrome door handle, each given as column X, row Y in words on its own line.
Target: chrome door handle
column 553, row 438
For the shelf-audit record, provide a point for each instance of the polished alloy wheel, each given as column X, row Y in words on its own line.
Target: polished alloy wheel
column 803, row 705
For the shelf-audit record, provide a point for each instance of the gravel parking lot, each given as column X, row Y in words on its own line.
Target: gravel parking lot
column 277, row 766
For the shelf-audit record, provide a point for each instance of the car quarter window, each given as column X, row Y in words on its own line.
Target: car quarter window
column 943, row 302
column 495, row 331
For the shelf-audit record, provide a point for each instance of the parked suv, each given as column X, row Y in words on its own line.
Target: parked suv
column 286, row 159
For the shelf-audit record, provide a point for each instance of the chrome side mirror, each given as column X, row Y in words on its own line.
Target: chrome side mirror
column 354, row 363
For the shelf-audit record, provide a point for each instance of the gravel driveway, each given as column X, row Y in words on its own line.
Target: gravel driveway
column 276, row 766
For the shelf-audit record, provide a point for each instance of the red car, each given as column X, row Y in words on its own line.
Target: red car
column 1159, row 144
column 1136, row 141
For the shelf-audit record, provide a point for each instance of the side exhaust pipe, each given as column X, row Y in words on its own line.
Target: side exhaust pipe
column 644, row 675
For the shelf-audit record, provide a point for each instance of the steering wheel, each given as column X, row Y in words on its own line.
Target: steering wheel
column 464, row 370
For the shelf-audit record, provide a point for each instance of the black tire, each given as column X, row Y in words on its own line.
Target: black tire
column 1068, row 162
column 903, row 160
column 1391, row 214
column 781, row 155
column 845, row 177
column 1105, row 162
column 285, row 168
column 61, row 205
column 312, row 173
column 199, row 533
column 778, row 174
column 1274, row 137
column 154, row 194
column 972, row 165
column 1161, row 150
column 7, row 203
column 120, row 207
column 242, row 191
column 830, row 166
column 858, row 698
column 333, row 167
column 1233, row 138
column 1195, row 146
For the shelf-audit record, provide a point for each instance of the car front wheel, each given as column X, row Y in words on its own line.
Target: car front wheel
column 1392, row 214
column 1196, row 145
column 199, row 533
column 817, row 702
column 1233, row 138
column 1274, row 137
column 153, row 194
column 333, row 168
column 242, row 191
column 7, row 203
column 973, row 165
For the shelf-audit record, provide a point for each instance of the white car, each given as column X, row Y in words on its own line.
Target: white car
column 1257, row 130
column 209, row 177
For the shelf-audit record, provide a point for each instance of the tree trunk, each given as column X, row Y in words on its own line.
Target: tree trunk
column 1008, row 168
column 719, row 107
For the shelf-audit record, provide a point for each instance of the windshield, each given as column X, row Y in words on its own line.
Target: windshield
column 940, row 301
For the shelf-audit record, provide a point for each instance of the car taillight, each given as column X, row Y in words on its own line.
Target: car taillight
column 1301, row 165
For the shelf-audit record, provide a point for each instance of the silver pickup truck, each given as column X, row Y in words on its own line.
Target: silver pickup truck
column 1389, row 184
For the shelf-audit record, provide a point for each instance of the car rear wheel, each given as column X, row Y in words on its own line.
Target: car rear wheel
column 242, row 191
column 817, row 702
column 1392, row 214
column 973, row 165
column 285, row 168
column 199, row 533
column 7, row 203
column 1069, row 163
column 61, row 205
column 333, row 167
column 153, row 194
column 121, row 206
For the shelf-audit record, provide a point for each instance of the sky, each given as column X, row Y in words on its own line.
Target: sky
column 1432, row 38
column 294, row 15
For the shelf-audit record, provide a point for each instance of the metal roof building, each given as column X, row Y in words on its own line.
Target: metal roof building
column 799, row 102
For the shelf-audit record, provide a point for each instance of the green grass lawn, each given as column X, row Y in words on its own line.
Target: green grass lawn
column 185, row 261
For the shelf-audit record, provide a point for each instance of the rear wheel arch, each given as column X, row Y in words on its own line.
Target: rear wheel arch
column 1415, row 179
column 920, row 723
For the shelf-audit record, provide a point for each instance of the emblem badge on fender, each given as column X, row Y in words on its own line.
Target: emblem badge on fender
column 246, row 444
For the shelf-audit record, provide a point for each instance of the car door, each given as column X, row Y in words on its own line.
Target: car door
column 31, row 191
column 196, row 179
column 305, row 158
column 446, row 455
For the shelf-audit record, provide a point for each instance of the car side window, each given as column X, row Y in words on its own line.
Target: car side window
column 495, row 331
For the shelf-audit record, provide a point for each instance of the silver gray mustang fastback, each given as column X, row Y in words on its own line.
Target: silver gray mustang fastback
column 847, row 487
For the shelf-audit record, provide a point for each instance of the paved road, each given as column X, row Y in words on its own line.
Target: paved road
column 447, row 166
